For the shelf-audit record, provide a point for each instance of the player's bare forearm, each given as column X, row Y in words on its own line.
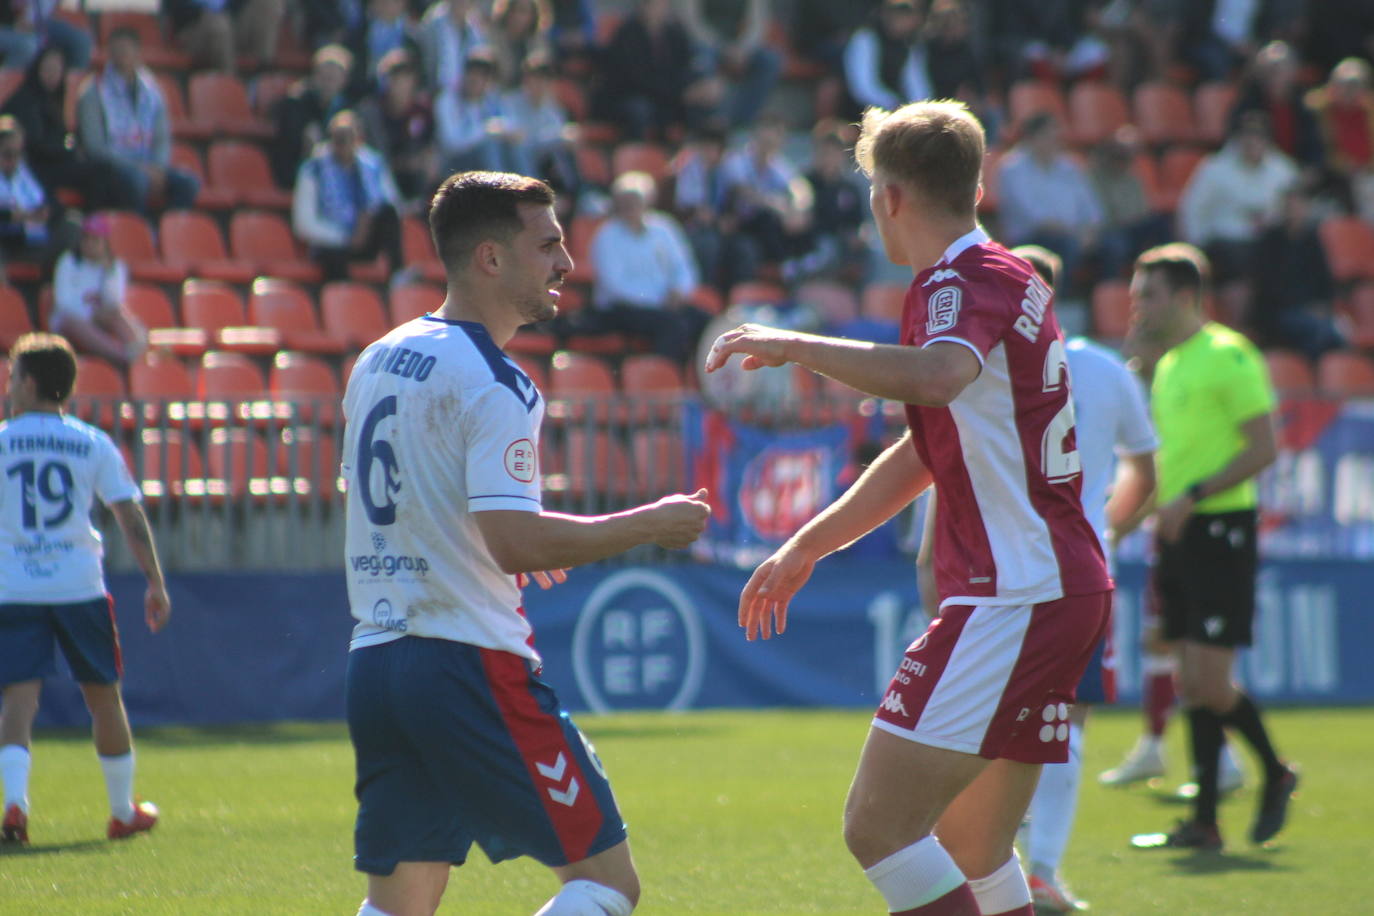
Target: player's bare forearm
column 892, row 481
column 133, row 523
column 1261, row 448
column 1132, row 494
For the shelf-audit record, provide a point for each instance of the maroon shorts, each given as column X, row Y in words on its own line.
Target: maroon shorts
column 996, row 680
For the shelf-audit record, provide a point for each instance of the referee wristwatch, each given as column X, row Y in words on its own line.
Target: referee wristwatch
column 1195, row 493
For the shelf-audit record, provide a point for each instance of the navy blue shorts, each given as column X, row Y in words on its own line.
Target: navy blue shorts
column 85, row 630
column 456, row 744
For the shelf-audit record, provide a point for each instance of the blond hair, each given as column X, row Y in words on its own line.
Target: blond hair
column 936, row 148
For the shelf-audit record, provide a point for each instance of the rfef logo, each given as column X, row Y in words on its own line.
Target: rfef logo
column 638, row 644
column 521, row 460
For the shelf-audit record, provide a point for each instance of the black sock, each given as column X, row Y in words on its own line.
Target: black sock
column 1244, row 717
column 1205, row 729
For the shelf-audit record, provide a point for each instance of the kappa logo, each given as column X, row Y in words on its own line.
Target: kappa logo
column 893, row 703
column 944, row 273
column 942, row 309
column 554, row 773
column 1056, row 727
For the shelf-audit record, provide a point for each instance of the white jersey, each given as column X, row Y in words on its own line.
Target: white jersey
column 55, row 468
column 440, row 425
column 1113, row 421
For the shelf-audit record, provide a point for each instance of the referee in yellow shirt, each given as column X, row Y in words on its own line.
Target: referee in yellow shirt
column 1213, row 409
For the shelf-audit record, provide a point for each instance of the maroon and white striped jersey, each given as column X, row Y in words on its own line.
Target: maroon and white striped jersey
column 1011, row 528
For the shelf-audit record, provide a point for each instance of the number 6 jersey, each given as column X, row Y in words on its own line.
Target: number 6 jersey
column 55, row 468
column 440, row 425
column 1011, row 528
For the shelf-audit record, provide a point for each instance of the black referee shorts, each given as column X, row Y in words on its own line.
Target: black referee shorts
column 1205, row 581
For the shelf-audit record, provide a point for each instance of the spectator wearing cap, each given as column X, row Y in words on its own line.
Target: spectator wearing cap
column 545, row 135
column 88, row 298
column 475, row 132
column 885, row 61
column 731, row 37
column 398, row 122
column 32, row 226
column 346, row 203
column 29, row 26
column 122, row 120
column 216, row 32
column 1046, row 199
column 644, row 272
column 449, row 32
column 301, row 115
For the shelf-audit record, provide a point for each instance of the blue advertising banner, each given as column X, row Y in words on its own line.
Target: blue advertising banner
column 265, row 647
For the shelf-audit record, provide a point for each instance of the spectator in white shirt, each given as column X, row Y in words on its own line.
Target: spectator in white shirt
column 1235, row 195
column 88, row 299
column 474, row 129
column 449, row 32
column 644, row 272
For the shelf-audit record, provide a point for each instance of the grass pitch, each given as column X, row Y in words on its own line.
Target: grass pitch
column 731, row 813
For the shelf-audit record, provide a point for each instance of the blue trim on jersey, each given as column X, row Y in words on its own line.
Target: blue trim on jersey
column 504, row 371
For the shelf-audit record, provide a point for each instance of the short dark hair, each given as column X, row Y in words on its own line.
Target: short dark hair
column 1184, row 267
column 936, row 147
column 10, row 128
column 1045, row 262
column 125, row 32
column 49, row 360
column 472, row 207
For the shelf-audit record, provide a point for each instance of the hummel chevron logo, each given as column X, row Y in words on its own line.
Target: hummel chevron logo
column 943, row 274
column 555, row 773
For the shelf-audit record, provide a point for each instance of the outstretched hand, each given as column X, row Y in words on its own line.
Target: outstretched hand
column 763, row 603
column 680, row 519
column 760, row 345
column 544, row 579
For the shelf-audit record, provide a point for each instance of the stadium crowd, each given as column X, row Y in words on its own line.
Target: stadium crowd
column 702, row 154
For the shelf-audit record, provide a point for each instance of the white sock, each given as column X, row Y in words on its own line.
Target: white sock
column 1004, row 890
column 1229, row 762
column 915, row 876
column 1053, row 805
column 1158, row 664
column 119, row 784
column 15, row 763
column 587, row 898
column 367, row 909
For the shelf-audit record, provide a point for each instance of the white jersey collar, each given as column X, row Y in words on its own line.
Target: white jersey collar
column 975, row 236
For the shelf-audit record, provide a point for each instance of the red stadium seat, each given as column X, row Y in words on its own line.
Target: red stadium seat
column 353, row 312
column 265, row 241
column 187, row 158
column 150, row 305
column 269, row 89
column 308, row 385
column 240, row 171
column 577, row 380
column 654, row 384
column 218, row 310
column 1349, row 245
column 192, row 245
column 238, row 464
column 417, row 248
column 1164, row 114
column 579, row 243
column 132, row 242
column 592, row 164
column 308, row 460
column 1290, row 372
column 596, row 463
column 231, row 385
column 221, row 100
column 1212, row 103
column 1096, row 111
column 164, row 385
column 413, row 300
column 156, row 51
column 1111, row 308
column 183, row 126
column 98, row 392
column 635, row 156
column 660, row 462
column 1345, row 374
column 167, row 464
column 14, row 317
column 1359, row 310
column 283, row 305
column 1031, row 97
column 1175, row 169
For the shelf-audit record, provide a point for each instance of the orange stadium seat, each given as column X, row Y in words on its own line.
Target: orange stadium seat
column 660, row 462
column 1175, row 169
column 192, row 245
column 1290, row 372
column 579, row 242
column 240, row 171
column 417, row 249
column 1146, row 169
column 1096, row 111
column 654, row 382
column 183, row 126
column 157, row 53
column 218, row 310
column 265, row 241
column 309, row 459
column 164, row 384
column 1164, row 114
column 132, row 242
column 221, row 100
column 1212, row 104
column 308, row 385
column 167, row 464
column 1345, row 374
column 635, row 156
column 269, row 89
column 353, row 312
column 150, row 305
column 237, row 464
column 1359, row 309
column 99, row 389
column 706, row 298
column 533, row 342
column 883, row 301
column 1349, row 245
column 187, row 158
column 595, row 462
column 14, row 317
column 573, row 97
column 592, row 164
column 232, row 385
column 1030, row 97
column 283, row 305
column 413, row 300
column 1111, row 309
column 577, row 379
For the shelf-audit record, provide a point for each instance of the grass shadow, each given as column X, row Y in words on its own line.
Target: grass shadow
column 276, row 733
column 42, row 849
column 670, row 727
column 1213, row 863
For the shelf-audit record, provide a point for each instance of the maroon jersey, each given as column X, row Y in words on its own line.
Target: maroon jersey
column 1010, row 528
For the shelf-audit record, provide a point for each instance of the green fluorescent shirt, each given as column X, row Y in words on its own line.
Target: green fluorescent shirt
column 1204, row 389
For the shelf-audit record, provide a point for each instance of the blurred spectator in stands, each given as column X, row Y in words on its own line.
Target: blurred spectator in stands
column 519, row 28
column 1046, row 198
column 1219, row 35
column 32, row 226
column 573, row 32
column 731, row 37
column 29, row 26
column 545, row 135
column 333, row 22
column 301, row 116
column 216, row 32
column 1129, row 224
column 388, row 29
column 699, row 203
column 1235, row 195
column 345, row 205
column 652, row 80
column 644, row 272
column 1293, row 289
column 1050, row 39
column 821, row 28
column 449, row 32
column 953, row 63
column 122, row 120
column 767, row 195
column 398, row 122
column 885, row 61
column 1344, row 108
column 1271, row 86
column 88, row 298
column 1336, row 31
column 474, row 129
column 840, row 207
column 40, row 105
